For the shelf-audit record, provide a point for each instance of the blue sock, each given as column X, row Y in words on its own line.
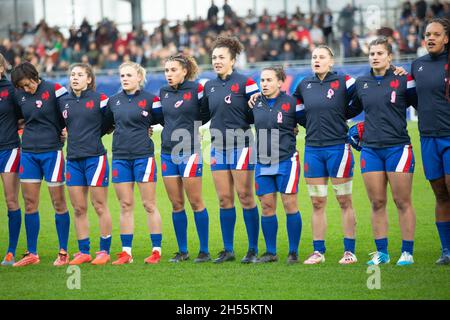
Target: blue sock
column 227, row 223
column 349, row 245
column 202, row 224
column 294, row 231
column 156, row 240
column 269, row 227
column 408, row 246
column 32, row 226
column 84, row 245
column 105, row 243
column 127, row 240
column 444, row 234
column 14, row 223
column 251, row 218
column 382, row 245
column 62, row 222
column 180, row 225
column 319, row 245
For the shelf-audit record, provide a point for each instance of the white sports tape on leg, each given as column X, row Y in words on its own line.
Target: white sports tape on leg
column 343, row 188
column 317, row 190
column 55, row 184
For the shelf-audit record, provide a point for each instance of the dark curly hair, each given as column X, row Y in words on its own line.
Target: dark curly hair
column 232, row 43
column 188, row 63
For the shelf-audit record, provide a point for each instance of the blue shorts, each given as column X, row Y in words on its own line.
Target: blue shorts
column 435, row 156
column 391, row 159
column 331, row 161
column 88, row 172
column 280, row 177
column 187, row 166
column 137, row 170
column 10, row 160
column 233, row 159
column 47, row 165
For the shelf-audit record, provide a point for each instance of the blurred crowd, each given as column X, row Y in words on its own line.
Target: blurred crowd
column 266, row 38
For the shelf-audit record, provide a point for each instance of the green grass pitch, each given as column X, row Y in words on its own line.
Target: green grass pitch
column 423, row 280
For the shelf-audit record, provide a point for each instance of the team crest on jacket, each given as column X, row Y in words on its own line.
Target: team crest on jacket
column 285, row 107
column 144, row 113
column 335, row 85
column 4, row 94
column 395, row 84
column 330, row 93
column 235, row 88
column 228, row 99
column 38, row 104
column 178, row 103
column 142, row 104
column 45, row 96
column 90, row 104
column 187, row 96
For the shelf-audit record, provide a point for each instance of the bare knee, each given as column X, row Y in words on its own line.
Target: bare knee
column 12, row 203
column 149, row 207
column 101, row 207
column 319, row 203
column 31, row 205
column 177, row 205
column 378, row 204
column 197, row 204
column 345, row 203
column 246, row 198
column 79, row 210
column 402, row 204
column 226, row 201
column 267, row 208
column 126, row 206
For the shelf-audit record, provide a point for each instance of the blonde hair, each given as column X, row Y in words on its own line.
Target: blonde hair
column 139, row 69
column 3, row 63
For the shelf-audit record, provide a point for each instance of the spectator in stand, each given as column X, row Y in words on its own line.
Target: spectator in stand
column 421, row 9
column 227, row 11
column 213, row 11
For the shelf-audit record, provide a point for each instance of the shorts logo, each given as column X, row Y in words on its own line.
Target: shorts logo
column 90, row 104
column 164, row 166
column 64, row 114
column 68, row 176
column 38, row 104
column 21, row 169
column 256, row 186
column 228, row 99
column 187, row 96
column 115, row 173
column 45, row 96
column 178, row 103
column 363, row 163
column 235, row 88
column 285, row 107
column 305, row 167
column 213, row 161
column 142, row 104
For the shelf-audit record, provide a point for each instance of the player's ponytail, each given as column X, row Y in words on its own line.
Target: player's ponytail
column 445, row 23
column 188, row 63
column 139, row 69
column 89, row 71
